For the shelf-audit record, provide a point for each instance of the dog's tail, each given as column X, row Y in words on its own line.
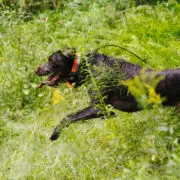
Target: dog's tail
column 113, row 45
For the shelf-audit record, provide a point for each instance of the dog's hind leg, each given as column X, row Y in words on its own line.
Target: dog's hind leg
column 87, row 113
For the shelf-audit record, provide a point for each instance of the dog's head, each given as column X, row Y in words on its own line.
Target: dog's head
column 57, row 68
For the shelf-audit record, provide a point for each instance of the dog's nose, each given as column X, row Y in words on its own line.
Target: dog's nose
column 37, row 71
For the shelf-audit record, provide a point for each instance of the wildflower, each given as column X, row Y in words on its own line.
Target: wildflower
column 153, row 96
column 56, row 96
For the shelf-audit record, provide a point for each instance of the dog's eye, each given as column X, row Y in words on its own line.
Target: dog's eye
column 50, row 60
column 51, row 63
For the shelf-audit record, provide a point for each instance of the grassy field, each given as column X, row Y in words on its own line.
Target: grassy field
column 142, row 145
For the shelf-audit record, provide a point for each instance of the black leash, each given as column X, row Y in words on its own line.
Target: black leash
column 143, row 60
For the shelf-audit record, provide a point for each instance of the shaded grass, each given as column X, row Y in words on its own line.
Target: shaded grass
column 130, row 146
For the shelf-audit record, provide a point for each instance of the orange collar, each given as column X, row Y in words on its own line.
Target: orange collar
column 74, row 67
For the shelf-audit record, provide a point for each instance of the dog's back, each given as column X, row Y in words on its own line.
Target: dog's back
column 127, row 69
column 169, row 86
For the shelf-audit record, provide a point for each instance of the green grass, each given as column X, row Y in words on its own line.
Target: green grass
column 143, row 145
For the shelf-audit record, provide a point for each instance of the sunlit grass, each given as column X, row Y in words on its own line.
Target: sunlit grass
column 143, row 145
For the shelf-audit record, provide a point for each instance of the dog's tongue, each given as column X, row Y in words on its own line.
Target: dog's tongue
column 51, row 81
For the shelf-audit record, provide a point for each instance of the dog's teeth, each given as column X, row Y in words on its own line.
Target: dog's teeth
column 39, row 86
column 42, row 84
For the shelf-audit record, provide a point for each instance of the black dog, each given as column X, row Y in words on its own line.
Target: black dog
column 66, row 68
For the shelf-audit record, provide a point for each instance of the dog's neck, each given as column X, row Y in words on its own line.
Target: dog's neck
column 78, row 72
column 80, row 68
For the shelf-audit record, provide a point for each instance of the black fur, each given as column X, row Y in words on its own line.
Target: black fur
column 115, row 94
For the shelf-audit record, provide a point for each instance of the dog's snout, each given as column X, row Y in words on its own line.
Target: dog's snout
column 37, row 71
column 43, row 70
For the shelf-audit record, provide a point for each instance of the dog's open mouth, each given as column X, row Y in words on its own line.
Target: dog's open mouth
column 52, row 80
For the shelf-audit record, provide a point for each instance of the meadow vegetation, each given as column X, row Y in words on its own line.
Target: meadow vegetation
column 142, row 145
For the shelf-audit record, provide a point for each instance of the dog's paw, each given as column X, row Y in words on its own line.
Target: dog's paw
column 54, row 137
column 55, row 133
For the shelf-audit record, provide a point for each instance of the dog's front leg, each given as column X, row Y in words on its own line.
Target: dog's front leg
column 87, row 113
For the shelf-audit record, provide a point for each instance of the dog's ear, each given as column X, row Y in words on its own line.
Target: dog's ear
column 60, row 52
column 56, row 56
column 67, row 53
column 70, row 52
column 56, row 53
